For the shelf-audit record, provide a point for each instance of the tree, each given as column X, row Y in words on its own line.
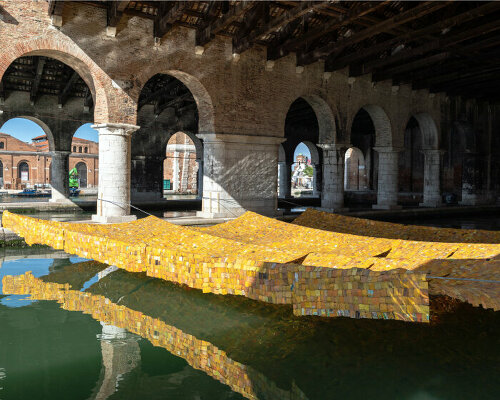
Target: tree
column 309, row 171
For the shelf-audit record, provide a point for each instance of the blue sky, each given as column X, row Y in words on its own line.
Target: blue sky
column 25, row 130
column 301, row 149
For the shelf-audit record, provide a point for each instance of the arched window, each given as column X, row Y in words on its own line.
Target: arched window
column 86, row 150
column 23, row 171
column 81, row 168
column 2, row 145
column 74, row 149
column 79, row 149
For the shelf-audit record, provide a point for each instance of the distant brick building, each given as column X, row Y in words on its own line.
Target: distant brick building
column 28, row 164
column 180, row 166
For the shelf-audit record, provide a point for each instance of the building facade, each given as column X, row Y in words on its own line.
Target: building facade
column 24, row 165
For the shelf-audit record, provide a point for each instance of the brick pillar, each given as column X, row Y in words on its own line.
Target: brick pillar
column 470, row 180
column 239, row 173
column 113, row 196
column 432, row 173
column 59, row 176
column 387, row 191
column 332, row 195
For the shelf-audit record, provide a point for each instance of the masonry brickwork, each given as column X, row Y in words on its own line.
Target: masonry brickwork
column 28, row 164
column 242, row 108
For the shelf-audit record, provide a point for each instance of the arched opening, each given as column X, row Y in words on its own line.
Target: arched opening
column 23, row 172
column 23, row 137
column 411, row 164
column 167, row 157
column 363, row 139
column 88, row 139
column 81, row 169
column 180, row 167
column 355, row 178
column 41, row 83
column 302, row 157
column 304, row 170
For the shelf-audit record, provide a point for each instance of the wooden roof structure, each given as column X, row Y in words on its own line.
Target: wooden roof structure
column 442, row 46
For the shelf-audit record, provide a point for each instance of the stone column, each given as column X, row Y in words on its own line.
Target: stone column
column 284, row 187
column 387, row 191
column 147, row 178
column 332, row 195
column 199, row 192
column 316, row 182
column 59, row 171
column 240, row 173
column 113, row 196
column 470, row 180
column 432, row 173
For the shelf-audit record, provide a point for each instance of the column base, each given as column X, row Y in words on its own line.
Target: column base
column 332, row 210
column 387, row 207
column 61, row 200
column 431, row 204
column 102, row 219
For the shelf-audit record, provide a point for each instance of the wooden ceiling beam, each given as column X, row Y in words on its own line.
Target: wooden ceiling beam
column 439, row 44
column 387, row 24
column 65, row 92
column 463, row 83
column 168, row 13
column 232, row 14
column 160, row 92
column 203, row 35
column 38, row 77
column 333, row 63
column 55, row 12
column 355, row 12
column 115, row 10
column 278, row 23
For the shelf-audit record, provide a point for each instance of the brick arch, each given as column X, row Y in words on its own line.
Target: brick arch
column 60, row 48
column 324, row 114
column 45, row 128
column 381, row 122
column 206, row 113
column 198, row 144
column 430, row 135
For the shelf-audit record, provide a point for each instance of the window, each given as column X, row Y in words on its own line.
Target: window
column 2, row 145
column 80, row 149
column 74, row 149
column 86, row 150
column 23, row 171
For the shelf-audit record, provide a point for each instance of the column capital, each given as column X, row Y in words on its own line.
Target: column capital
column 334, row 146
column 432, row 151
column 388, row 149
column 54, row 153
column 240, row 139
column 115, row 129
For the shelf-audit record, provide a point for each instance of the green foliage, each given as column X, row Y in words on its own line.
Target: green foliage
column 309, row 171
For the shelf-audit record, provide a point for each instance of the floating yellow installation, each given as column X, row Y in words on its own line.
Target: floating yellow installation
column 359, row 226
column 318, row 272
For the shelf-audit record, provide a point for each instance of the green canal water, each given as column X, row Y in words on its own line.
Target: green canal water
column 48, row 352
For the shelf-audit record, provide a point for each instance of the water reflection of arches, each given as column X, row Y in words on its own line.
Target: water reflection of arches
column 81, row 169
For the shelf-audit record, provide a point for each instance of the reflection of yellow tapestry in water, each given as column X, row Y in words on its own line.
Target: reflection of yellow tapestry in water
column 276, row 262
column 200, row 354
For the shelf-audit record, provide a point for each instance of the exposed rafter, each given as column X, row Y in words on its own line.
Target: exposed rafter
column 64, row 95
column 38, row 77
column 338, row 46
column 334, row 63
column 115, row 11
column 55, row 11
column 168, row 13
